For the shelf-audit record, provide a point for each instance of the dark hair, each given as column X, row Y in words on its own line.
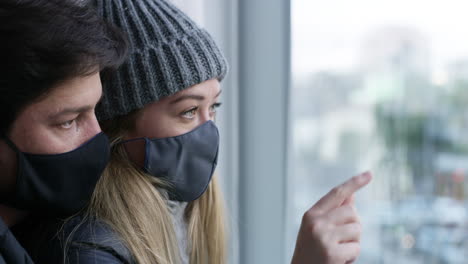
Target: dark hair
column 45, row 42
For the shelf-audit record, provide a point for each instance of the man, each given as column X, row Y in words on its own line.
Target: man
column 52, row 151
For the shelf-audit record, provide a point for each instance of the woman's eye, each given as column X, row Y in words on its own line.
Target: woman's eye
column 190, row 113
column 214, row 107
column 67, row 124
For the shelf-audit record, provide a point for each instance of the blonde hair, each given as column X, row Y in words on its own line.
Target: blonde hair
column 131, row 203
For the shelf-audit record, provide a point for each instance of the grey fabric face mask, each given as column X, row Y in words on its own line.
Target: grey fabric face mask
column 187, row 161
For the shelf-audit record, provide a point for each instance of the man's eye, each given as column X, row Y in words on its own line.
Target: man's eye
column 67, row 124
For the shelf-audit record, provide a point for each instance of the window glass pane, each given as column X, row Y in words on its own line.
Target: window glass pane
column 383, row 86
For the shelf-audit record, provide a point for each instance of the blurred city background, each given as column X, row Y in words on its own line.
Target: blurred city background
column 383, row 86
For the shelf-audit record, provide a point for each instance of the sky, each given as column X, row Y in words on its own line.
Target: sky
column 329, row 34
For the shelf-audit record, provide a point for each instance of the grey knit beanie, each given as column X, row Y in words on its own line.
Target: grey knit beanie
column 168, row 53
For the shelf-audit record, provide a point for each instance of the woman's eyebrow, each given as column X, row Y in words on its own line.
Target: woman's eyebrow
column 188, row 96
column 191, row 96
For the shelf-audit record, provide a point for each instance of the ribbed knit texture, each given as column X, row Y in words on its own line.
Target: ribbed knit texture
column 169, row 53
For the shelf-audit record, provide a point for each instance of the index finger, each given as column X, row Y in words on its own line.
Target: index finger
column 349, row 200
column 341, row 193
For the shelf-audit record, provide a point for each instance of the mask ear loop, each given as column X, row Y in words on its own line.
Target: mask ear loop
column 147, row 142
column 10, row 143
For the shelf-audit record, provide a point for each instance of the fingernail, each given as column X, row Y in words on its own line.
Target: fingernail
column 366, row 175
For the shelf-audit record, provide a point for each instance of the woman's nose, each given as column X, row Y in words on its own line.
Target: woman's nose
column 206, row 116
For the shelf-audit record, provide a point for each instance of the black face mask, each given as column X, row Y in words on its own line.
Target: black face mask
column 59, row 184
column 187, row 161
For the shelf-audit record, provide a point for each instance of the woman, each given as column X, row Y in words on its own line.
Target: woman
column 52, row 151
column 158, row 201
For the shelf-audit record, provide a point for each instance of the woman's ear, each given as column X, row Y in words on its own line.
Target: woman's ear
column 136, row 151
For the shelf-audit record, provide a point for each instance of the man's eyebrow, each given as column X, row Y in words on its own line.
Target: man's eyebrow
column 71, row 110
column 192, row 96
column 74, row 110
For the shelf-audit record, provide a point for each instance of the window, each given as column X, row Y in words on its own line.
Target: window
column 383, row 86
